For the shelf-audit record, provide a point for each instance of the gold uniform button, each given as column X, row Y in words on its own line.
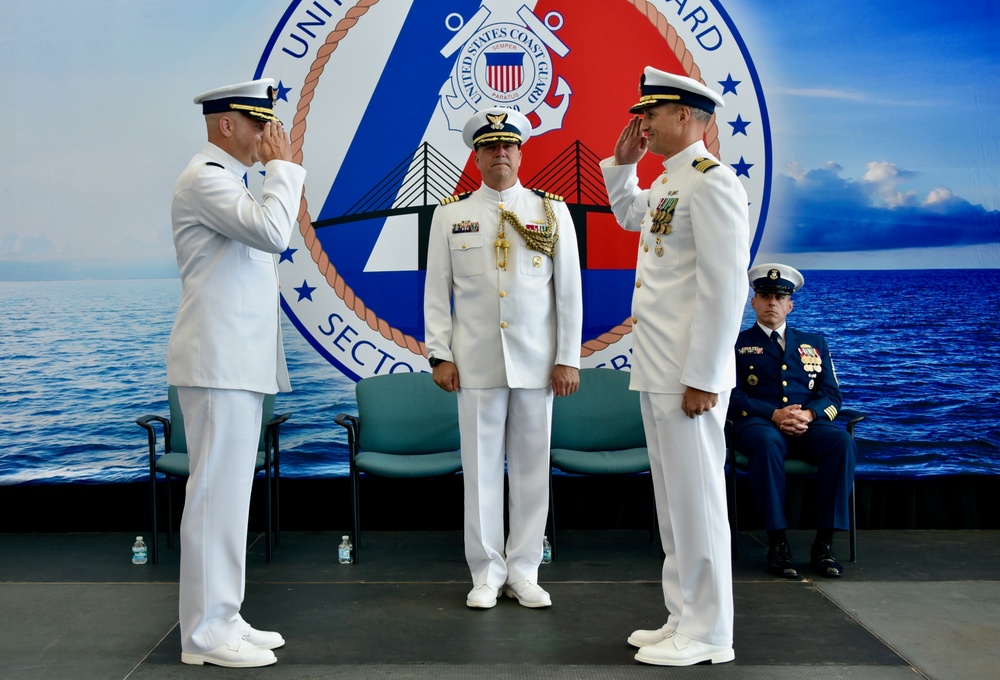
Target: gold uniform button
column 638, row 284
column 784, row 383
column 503, row 324
column 635, row 320
column 744, row 412
column 784, row 399
column 464, row 246
column 645, row 248
column 503, row 293
column 784, row 367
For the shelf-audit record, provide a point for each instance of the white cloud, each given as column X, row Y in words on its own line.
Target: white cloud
column 938, row 196
column 886, row 178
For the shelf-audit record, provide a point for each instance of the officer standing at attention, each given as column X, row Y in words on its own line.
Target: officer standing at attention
column 225, row 354
column 503, row 316
column 786, row 399
column 694, row 250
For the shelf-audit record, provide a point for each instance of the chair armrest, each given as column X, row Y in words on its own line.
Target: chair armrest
column 279, row 419
column 271, row 445
column 346, row 420
column 852, row 417
column 352, row 425
column 729, row 433
column 147, row 423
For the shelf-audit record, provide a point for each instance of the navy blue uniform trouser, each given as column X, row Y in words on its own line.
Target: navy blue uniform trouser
column 825, row 445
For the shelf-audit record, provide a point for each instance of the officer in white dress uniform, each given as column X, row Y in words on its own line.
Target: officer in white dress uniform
column 690, row 288
column 503, row 317
column 225, row 354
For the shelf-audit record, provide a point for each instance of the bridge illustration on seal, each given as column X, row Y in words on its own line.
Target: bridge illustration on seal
column 418, row 183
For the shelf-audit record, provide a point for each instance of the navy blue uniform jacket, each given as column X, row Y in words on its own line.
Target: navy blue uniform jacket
column 767, row 380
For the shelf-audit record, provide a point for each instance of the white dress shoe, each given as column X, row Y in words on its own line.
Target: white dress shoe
column 265, row 639
column 528, row 594
column 236, row 654
column 482, row 597
column 642, row 638
column 678, row 650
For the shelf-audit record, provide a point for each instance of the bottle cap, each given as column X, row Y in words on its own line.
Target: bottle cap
column 344, row 537
column 138, row 538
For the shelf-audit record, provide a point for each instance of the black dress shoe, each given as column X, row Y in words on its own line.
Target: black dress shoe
column 779, row 561
column 823, row 561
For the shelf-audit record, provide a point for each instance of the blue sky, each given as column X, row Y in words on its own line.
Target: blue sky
column 884, row 123
column 884, row 119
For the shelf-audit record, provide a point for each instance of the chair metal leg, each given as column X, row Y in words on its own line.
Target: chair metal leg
column 277, row 504
column 734, row 528
column 267, row 511
column 552, row 517
column 651, row 509
column 356, row 511
column 853, row 528
column 154, row 548
column 170, row 511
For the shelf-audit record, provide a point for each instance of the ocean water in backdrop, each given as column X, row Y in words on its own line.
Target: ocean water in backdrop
column 918, row 351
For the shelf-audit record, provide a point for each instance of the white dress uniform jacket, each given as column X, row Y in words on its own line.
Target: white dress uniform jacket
column 691, row 286
column 226, row 334
column 509, row 328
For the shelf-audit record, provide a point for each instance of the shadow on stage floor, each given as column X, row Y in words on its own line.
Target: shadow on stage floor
column 916, row 604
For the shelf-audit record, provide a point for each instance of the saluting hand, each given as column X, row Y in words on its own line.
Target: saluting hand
column 273, row 144
column 632, row 143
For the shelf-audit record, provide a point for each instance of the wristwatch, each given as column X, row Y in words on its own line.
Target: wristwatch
column 434, row 362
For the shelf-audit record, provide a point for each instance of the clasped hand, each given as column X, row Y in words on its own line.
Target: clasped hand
column 793, row 420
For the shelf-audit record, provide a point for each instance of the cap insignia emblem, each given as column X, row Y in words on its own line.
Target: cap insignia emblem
column 497, row 120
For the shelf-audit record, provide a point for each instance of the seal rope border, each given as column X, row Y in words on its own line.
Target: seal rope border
column 315, row 247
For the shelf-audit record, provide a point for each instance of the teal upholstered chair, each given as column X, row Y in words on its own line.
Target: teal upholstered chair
column 406, row 427
column 172, row 463
column 598, row 430
column 737, row 462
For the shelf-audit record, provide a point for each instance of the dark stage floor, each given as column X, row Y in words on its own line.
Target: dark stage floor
column 917, row 604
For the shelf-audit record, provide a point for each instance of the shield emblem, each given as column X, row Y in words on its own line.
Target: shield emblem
column 505, row 70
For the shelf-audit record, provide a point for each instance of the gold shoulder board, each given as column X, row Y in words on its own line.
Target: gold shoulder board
column 456, row 197
column 703, row 164
column 545, row 194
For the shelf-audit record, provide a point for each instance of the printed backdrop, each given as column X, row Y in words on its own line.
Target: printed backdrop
column 865, row 137
column 380, row 93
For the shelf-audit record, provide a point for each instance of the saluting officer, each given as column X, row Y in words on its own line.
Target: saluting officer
column 784, row 404
column 225, row 353
column 694, row 250
column 503, row 315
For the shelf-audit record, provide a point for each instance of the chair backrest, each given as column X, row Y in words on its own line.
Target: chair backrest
column 406, row 413
column 603, row 415
column 178, row 440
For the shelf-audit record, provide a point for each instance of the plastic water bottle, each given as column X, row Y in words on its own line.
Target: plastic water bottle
column 344, row 551
column 546, row 550
column 138, row 551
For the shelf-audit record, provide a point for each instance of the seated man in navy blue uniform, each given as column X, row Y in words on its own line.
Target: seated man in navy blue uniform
column 784, row 403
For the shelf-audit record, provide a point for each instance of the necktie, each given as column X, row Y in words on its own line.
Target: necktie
column 776, row 339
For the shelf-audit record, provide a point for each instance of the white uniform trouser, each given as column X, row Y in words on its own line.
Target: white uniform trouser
column 487, row 418
column 223, row 431
column 687, row 460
